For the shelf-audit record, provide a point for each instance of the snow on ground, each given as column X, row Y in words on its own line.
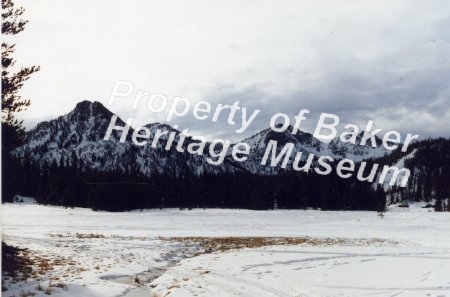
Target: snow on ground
column 109, row 254
column 311, row 271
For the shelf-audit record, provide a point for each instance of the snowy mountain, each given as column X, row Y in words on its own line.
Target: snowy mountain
column 66, row 161
column 78, row 134
column 429, row 164
column 78, row 137
column 307, row 144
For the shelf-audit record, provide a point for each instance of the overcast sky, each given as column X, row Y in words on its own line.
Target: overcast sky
column 386, row 61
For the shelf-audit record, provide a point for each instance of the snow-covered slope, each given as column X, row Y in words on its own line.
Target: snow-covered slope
column 77, row 138
column 428, row 162
column 307, row 144
column 77, row 135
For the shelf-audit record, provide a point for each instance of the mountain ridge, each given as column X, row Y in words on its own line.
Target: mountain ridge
column 66, row 161
column 82, row 131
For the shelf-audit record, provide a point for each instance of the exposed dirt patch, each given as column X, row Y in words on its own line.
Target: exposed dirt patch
column 221, row 244
column 23, row 265
column 77, row 235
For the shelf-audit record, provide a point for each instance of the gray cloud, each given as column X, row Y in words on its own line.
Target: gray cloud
column 386, row 61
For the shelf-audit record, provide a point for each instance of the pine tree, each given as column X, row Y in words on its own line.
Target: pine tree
column 380, row 197
column 12, row 130
column 12, row 103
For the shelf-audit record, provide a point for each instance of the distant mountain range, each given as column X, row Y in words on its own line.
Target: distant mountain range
column 78, row 138
column 80, row 134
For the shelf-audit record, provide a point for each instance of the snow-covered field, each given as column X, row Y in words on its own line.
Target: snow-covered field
column 406, row 253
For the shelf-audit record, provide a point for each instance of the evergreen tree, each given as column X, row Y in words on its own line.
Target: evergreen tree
column 380, row 197
column 12, row 102
column 12, row 130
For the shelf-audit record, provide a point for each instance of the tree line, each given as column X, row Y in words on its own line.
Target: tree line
column 70, row 182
